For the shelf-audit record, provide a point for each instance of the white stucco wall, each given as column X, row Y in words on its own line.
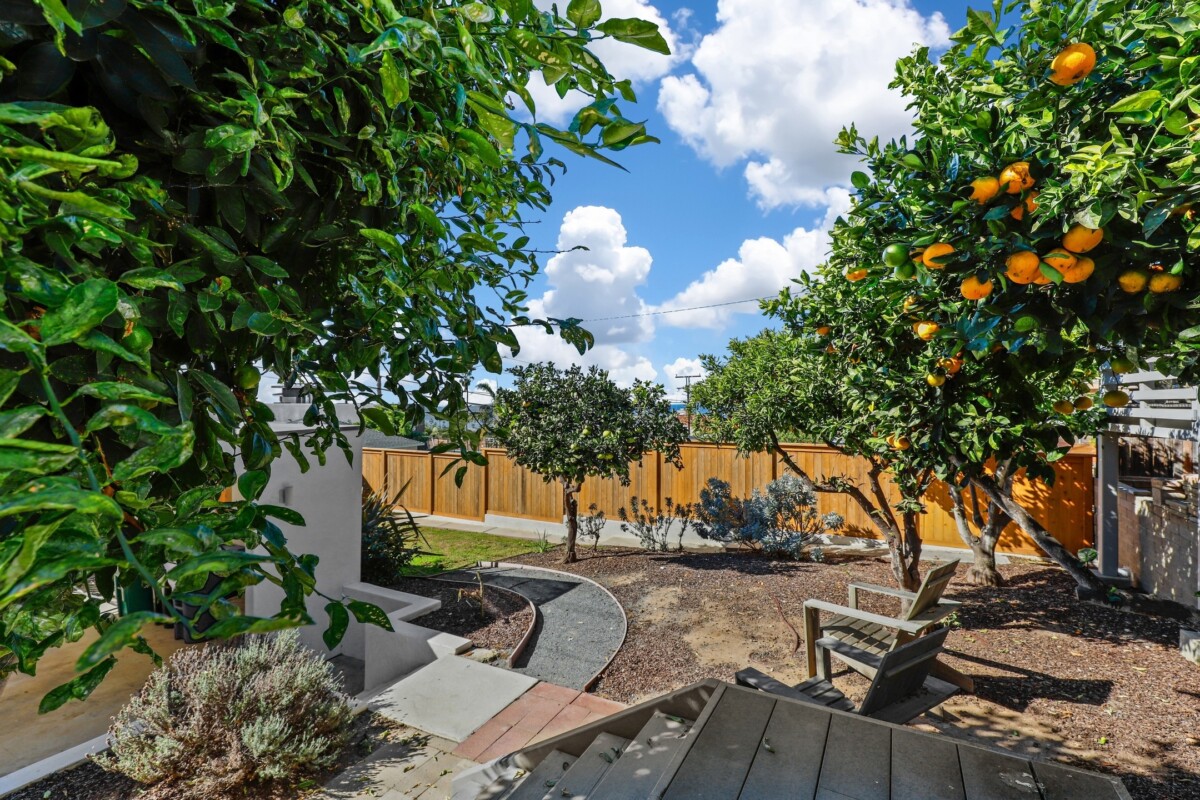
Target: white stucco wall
column 329, row 498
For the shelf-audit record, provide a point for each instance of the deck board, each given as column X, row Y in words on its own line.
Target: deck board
column 1063, row 783
column 925, row 767
column 989, row 775
column 791, row 768
column 717, row 764
column 858, row 758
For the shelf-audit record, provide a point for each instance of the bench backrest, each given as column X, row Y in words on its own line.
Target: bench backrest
column 902, row 672
column 931, row 589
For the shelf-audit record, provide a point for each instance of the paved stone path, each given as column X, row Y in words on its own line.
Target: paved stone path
column 579, row 628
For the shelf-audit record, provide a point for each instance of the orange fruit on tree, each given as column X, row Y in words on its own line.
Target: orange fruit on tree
column 974, row 289
column 1062, row 260
column 1081, row 238
column 935, row 379
column 926, row 329
column 1022, row 266
column 936, row 251
column 858, row 274
column 1064, row 406
column 951, row 365
column 909, row 302
column 984, row 189
column 1083, row 403
column 823, row 330
column 1115, row 398
column 1080, row 271
column 1072, row 64
column 1029, row 204
column 1015, row 178
column 1163, row 282
column 1133, row 281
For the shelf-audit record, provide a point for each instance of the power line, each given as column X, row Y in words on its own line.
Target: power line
column 678, row 310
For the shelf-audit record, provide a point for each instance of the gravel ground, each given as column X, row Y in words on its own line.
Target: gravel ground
column 504, row 621
column 1055, row 678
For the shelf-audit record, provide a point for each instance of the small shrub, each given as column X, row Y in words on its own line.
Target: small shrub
column 389, row 541
column 653, row 527
column 779, row 522
column 543, row 543
column 1088, row 556
column 220, row 717
column 591, row 526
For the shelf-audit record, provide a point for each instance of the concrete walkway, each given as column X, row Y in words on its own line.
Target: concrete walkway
column 579, row 627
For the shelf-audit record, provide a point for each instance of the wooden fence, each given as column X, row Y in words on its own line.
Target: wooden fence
column 505, row 489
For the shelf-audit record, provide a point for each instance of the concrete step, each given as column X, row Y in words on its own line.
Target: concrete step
column 542, row 777
column 646, row 757
column 580, row 780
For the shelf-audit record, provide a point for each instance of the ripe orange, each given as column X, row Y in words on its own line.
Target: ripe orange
column 1164, row 282
column 1072, row 64
column 1115, row 398
column 1064, row 406
column 926, row 329
column 974, row 289
column 899, row 441
column 855, row 275
column 823, row 330
column 934, row 379
column 1028, row 205
column 1015, row 178
column 950, row 365
column 1022, row 266
column 1081, row 239
column 936, row 251
column 1133, row 281
column 1083, row 403
column 984, row 189
column 1060, row 259
column 1080, row 271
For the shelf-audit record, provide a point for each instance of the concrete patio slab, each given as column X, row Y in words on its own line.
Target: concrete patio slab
column 451, row 697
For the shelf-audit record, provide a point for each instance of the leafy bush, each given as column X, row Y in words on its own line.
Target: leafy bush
column 592, row 525
column 780, row 522
column 653, row 527
column 220, row 717
column 389, row 542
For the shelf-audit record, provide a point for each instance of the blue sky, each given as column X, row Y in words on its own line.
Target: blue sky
column 745, row 179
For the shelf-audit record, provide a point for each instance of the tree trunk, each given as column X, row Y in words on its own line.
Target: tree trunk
column 1044, row 539
column 571, row 509
column 983, row 570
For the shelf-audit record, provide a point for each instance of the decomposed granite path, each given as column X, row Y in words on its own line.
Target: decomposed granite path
column 579, row 626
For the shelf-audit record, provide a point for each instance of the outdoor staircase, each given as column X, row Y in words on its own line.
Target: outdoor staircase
column 622, row 757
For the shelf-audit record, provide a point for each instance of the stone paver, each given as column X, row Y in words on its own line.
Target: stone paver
column 580, row 626
column 545, row 710
column 451, row 697
column 414, row 766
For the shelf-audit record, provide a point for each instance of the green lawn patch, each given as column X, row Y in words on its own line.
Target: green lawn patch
column 458, row 549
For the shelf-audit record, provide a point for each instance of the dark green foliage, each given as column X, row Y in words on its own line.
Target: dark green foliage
column 191, row 192
column 391, row 538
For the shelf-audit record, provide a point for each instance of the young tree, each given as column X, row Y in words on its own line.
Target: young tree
column 190, row 193
column 1050, row 183
column 569, row 425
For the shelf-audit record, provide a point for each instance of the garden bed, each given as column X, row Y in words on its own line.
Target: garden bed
column 1055, row 678
column 502, row 624
column 88, row 782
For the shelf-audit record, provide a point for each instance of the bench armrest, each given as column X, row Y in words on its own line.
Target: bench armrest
column 913, row 626
column 855, row 587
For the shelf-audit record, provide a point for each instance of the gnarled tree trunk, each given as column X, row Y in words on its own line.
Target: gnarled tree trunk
column 571, row 510
column 983, row 570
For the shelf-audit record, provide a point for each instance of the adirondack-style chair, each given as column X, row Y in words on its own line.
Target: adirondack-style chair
column 877, row 634
column 901, row 689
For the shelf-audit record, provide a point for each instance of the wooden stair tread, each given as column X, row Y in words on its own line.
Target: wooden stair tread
column 533, row 786
column 646, row 757
column 580, row 780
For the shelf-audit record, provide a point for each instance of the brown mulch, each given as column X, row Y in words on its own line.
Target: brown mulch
column 1056, row 678
column 505, row 618
column 88, row 782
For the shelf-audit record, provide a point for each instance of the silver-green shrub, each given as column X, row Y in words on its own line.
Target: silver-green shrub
column 781, row 522
column 222, row 716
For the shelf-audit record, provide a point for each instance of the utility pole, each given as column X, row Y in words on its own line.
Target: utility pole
column 687, row 390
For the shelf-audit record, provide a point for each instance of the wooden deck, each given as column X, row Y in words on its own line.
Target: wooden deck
column 754, row 746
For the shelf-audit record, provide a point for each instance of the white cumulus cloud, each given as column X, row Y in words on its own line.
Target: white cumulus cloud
column 762, row 267
column 776, row 80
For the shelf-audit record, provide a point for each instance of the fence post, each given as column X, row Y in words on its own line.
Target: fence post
column 483, row 490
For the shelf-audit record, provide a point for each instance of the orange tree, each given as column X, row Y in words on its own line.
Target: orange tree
column 1043, row 203
column 782, row 383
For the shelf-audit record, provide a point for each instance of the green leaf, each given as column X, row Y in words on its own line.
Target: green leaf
column 583, row 13
column 220, row 393
column 168, row 453
column 339, row 621
column 636, row 31
column 39, row 458
column 221, row 562
column 114, row 390
column 370, row 613
column 252, row 483
column 76, row 689
column 15, row 340
column 117, row 636
column 478, row 12
column 288, row 515
column 56, row 496
column 86, row 306
column 239, row 626
column 860, row 180
column 15, row 422
column 394, row 81
column 1142, row 101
